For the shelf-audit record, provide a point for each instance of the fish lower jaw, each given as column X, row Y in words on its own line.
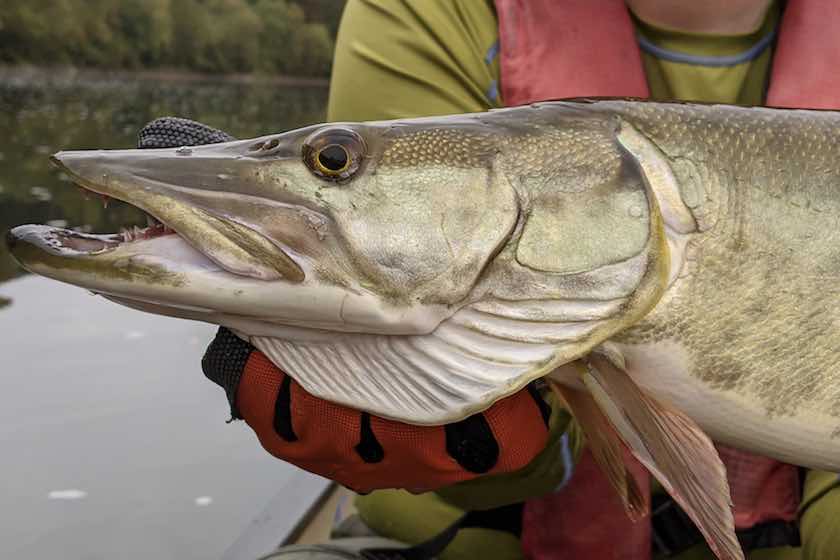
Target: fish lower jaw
column 167, row 276
column 105, row 263
column 33, row 243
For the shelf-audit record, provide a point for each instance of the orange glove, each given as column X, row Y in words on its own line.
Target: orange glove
column 358, row 450
column 366, row 452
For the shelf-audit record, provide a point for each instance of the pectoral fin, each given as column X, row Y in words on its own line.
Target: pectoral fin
column 605, row 445
column 673, row 448
column 480, row 354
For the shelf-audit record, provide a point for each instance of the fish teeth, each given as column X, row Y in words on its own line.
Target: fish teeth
column 151, row 221
column 133, row 234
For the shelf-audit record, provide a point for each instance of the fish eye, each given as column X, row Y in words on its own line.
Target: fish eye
column 334, row 154
column 333, row 159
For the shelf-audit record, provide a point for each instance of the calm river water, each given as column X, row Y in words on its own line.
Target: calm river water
column 112, row 443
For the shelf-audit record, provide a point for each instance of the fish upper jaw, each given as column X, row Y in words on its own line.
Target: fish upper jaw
column 142, row 178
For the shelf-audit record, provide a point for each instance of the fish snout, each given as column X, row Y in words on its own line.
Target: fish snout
column 191, row 191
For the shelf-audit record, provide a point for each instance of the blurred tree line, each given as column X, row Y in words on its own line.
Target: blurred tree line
column 293, row 37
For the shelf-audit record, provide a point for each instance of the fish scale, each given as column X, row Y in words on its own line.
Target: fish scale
column 769, row 268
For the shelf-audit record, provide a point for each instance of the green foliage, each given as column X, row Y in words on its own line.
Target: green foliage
column 293, row 37
column 289, row 44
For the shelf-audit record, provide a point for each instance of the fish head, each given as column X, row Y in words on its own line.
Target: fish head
column 419, row 270
column 375, row 227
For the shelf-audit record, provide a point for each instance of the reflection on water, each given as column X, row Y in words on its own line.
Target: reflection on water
column 43, row 114
column 114, row 445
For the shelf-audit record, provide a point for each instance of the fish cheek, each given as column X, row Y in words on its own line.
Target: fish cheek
column 425, row 235
column 605, row 221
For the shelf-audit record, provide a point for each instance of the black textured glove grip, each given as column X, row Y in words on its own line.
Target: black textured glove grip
column 226, row 356
column 223, row 364
column 174, row 132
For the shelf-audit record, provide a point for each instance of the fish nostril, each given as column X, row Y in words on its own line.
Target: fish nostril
column 265, row 146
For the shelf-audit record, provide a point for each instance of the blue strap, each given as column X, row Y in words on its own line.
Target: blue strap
column 492, row 53
column 492, row 92
column 700, row 60
column 568, row 461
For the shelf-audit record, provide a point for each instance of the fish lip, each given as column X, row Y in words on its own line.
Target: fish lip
column 60, row 241
column 98, row 264
column 292, row 270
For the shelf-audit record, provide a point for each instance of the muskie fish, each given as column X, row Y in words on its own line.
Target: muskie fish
column 672, row 269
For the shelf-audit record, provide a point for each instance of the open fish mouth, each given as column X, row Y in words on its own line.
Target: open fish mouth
column 72, row 243
column 174, row 225
column 61, row 241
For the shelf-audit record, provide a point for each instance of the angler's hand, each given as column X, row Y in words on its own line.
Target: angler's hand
column 365, row 452
column 361, row 451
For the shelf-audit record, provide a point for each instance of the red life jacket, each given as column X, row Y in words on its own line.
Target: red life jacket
column 553, row 49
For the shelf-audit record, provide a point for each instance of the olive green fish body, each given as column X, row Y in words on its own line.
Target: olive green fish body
column 747, row 338
column 425, row 268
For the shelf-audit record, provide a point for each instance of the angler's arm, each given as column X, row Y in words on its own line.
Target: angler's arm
column 820, row 516
column 399, row 59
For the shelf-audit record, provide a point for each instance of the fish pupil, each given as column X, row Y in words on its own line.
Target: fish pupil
column 333, row 157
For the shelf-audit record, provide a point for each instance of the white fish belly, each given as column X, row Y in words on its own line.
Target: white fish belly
column 805, row 438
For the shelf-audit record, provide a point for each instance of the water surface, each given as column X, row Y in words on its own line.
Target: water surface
column 114, row 445
column 41, row 114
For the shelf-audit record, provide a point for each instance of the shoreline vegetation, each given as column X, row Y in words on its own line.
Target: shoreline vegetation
column 278, row 41
column 33, row 73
